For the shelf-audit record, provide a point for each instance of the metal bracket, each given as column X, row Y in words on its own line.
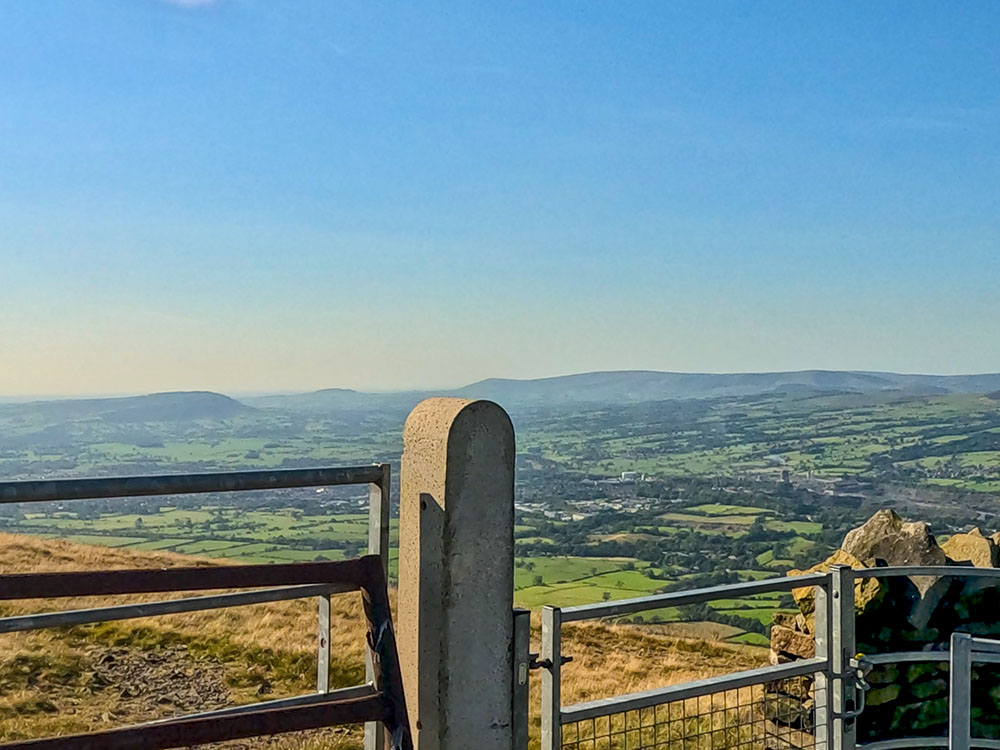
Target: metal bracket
column 536, row 663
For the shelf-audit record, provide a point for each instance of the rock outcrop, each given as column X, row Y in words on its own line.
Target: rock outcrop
column 886, row 539
column 904, row 614
column 972, row 548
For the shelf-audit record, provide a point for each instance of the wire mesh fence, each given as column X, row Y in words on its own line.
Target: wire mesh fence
column 772, row 716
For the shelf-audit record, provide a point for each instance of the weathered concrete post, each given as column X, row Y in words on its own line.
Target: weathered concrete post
column 456, row 574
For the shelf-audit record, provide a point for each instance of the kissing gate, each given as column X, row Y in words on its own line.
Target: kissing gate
column 750, row 709
column 463, row 661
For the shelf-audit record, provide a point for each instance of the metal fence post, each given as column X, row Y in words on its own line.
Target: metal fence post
column 551, row 658
column 378, row 518
column 378, row 544
column 821, row 629
column 842, row 650
column 960, row 698
column 323, row 646
column 519, row 692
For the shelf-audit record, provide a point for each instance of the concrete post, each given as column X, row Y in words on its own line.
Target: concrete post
column 456, row 574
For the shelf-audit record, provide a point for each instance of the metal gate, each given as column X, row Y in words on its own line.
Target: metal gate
column 737, row 711
column 746, row 710
column 379, row 704
column 966, row 651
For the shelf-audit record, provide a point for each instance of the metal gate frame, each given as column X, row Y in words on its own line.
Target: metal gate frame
column 837, row 699
column 837, row 667
column 378, row 703
column 967, row 650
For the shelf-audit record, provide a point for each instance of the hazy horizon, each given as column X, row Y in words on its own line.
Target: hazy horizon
column 236, row 195
column 238, row 393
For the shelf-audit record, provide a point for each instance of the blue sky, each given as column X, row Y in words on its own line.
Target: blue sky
column 248, row 195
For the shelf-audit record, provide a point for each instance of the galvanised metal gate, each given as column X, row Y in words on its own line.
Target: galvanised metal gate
column 378, row 704
column 967, row 650
column 740, row 710
column 964, row 651
column 744, row 709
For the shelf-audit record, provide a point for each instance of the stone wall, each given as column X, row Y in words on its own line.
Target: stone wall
column 907, row 614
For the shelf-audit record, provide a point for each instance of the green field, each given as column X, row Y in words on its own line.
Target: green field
column 735, row 488
column 278, row 535
column 222, row 532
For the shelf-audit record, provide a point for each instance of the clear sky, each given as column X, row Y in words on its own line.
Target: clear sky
column 248, row 195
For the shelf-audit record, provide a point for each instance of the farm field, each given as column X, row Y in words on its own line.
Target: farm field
column 947, row 440
column 936, row 440
column 284, row 535
column 729, row 488
column 252, row 536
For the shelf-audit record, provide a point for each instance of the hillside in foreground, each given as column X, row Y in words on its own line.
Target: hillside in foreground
column 92, row 677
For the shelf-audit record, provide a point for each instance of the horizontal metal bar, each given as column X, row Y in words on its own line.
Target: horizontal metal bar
column 673, row 693
column 956, row 571
column 911, row 742
column 71, row 617
column 206, row 729
column 695, row 596
column 940, row 656
column 348, row 693
column 983, row 646
column 354, row 573
column 184, row 484
column 902, row 657
column 904, row 743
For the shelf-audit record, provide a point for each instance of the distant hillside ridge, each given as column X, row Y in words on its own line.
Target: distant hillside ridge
column 637, row 386
column 155, row 407
column 615, row 386
column 646, row 385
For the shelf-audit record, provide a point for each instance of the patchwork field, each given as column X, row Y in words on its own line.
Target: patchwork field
column 248, row 536
column 284, row 535
column 730, row 488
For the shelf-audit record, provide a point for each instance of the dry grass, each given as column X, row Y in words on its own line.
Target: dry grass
column 616, row 659
column 53, row 681
column 284, row 626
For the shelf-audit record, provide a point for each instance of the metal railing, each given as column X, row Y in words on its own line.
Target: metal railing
column 965, row 651
column 272, row 583
column 733, row 711
column 940, row 656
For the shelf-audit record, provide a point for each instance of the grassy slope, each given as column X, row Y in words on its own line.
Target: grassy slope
column 60, row 681
column 54, row 681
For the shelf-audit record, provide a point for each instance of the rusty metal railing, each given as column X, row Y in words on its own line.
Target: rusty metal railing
column 379, row 703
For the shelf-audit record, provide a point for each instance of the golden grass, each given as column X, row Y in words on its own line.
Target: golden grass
column 50, row 679
column 51, row 682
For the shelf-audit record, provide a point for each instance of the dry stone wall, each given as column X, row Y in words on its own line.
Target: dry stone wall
column 907, row 614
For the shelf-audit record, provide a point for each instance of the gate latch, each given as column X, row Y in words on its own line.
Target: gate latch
column 855, row 680
column 536, row 663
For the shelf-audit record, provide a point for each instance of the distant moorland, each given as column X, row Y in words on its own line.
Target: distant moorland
column 627, row 483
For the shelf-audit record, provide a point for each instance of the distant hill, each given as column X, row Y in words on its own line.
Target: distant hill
column 625, row 386
column 639, row 385
column 636, row 386
column 156, row 407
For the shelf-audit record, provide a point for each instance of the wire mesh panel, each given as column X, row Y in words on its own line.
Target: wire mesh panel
column 772, row 716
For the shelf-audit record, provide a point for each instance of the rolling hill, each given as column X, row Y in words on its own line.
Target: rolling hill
column 636, row 386
column 623, row 386
column 155, row 407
